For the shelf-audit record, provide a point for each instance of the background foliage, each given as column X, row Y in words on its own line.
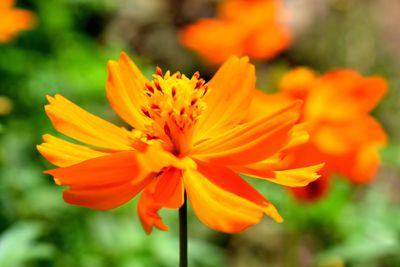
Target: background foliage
column 67, row 53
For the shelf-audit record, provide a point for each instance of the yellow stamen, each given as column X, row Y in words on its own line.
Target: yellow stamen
column 174, row 103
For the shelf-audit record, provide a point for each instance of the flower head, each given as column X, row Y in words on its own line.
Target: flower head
column 13, row 20
column 255, row 28
column 342, row 133
column 187, row 136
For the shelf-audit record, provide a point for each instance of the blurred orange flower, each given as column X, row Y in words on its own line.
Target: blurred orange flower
column 187, row 136
column 343, row 134
column 255, row 28
column 13, row 20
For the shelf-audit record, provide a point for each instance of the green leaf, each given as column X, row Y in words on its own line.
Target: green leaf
column 19, row 245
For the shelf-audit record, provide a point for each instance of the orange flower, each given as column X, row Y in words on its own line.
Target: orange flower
column 187, row 137
column 343, row 134
column 13, row 20
column 243, row 27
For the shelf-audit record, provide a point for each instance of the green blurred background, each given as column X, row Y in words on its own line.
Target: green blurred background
column 67, row 53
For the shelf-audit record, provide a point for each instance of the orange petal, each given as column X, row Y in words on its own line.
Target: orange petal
column 229, row 97
column 251, row 142
column 268, row 41
column 344, row 137
column 221, row 209
column 125, row 88
column 360, row 165
column 297, row 177
column 6, row 4
column 169, row 189
column 298, row 82
column 298, row 136
column 224, row 139
column 370, row 92
column 103, row 197
column 204, row 37
column 106, row 170
column 350, row 93
column 63, row 153
column 13, row 21
column 22, row 19
column 264, row 104
column 108, row 181
column 252, row 13
column 262, row 169
column 366, row 165
column 354, row 90
column 335, row 138
column 230, row 181
column 116, row 167
column 79, row 124
column 165, row 191
column 147, row 209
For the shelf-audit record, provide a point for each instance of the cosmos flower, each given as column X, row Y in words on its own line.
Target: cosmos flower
column 255, row 28
column 187, row 136
column 336, row 112
column 13, row 20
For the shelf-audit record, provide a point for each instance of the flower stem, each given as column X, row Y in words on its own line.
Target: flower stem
column 183, row 258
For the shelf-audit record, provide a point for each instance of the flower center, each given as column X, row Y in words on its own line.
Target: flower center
column 174, row 103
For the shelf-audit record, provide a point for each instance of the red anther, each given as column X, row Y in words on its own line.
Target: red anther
column 196, row 75
column 205, row 87
column 154, row 106
column 149, row 87
column 150, row 137
column 160, row 172
column 159, row 71
column 178, row 75
column 199, row 84
column 194, row 101
column 182, row 111
column 173, row 91
column 157, row 85
column 146, row 112
column 167, row 130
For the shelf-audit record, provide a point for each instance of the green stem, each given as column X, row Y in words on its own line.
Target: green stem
column 183, row 247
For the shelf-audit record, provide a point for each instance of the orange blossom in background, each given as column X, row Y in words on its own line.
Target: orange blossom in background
column 336, row 112
column 255, row 28
column 13, row 20
column 186, row 136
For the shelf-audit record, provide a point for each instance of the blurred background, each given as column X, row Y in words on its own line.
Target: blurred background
column 67, row 51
